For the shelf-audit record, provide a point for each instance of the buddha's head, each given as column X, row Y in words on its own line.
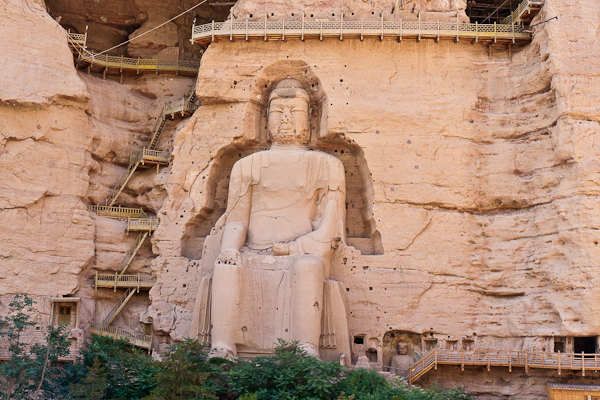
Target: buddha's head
column 288, row 113
column 402, row 348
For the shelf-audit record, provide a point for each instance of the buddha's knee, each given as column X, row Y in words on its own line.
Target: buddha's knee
column 309, row 266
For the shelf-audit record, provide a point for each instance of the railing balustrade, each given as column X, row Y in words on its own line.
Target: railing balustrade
column 526, row 359
column 380, row 28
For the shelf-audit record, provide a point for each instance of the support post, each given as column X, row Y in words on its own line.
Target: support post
column 488, row 365
column 582, row 364
column 193, row 29
column 490, row 51
column 302, row 35
column 419, row 29
column 495, row 32
column 342, row 26
column 246, row 29
column 88, row 69
column 96, row 281
column 462, row 360
column 283, row 29
column 321, row 36
column 435, row 360
column 510, row 361
column 121, row 80
column 361, row 28
column 116, row 277
column 526, row 359
column 400, row 28
column 138, row 66
column 513, row 31
column 438, row 35
column 104, row 73
column 231, row 30
column 559, row 363
column 457, row 27
column 265, row 26
column 381, row 25
column 85, row 38
column 213, row 31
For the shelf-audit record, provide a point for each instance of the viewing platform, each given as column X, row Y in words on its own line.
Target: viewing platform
column 136, row 339
column 142, row 224
column 114, row 281
column 118, row 212
column 341, row 29
column 500, row 358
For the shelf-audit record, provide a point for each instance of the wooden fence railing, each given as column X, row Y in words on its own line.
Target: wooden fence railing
column 139, row 64
column 358, row 29
column 137, row 339
column 118, row 211
column 515, row 16
column 490, row 358
column 142, row 224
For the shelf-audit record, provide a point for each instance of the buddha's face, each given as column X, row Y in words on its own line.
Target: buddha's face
column 288, row 120
column 402, row 348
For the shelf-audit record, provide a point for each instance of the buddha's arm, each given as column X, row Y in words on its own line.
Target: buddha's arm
column 235, row 229
column 320, row 241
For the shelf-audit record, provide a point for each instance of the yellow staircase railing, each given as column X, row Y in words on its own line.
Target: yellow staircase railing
column 136, row 339
column 119, row 306
column 124, row 281
column 132, row 252
column 504, row 358
column 525, row 12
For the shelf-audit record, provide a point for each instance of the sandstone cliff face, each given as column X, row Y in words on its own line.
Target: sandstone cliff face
column 483, row 178
column 482, row 203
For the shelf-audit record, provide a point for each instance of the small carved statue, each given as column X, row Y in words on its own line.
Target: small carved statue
column 286, row 206
column 401, row 362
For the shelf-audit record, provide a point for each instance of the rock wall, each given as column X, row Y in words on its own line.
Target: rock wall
column 483, row 174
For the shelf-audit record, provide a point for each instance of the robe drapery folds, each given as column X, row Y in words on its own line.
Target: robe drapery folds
column 326, row 175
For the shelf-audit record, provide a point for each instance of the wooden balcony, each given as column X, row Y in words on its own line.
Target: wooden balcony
column 115, row 281
column 141, row 224
column 501, row 358
column 346, row 29
column 118, row 212
column 136, row 339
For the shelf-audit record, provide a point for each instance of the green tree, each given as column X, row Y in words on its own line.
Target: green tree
column 185, row 374
column 130, row 373
column 13, row 327
column 93, row 386
column 288, row 374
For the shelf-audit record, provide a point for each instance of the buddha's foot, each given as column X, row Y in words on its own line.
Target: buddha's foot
column 310, row 349
column 222, row 352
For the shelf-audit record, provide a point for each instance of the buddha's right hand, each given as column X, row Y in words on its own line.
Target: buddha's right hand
column 229, row 256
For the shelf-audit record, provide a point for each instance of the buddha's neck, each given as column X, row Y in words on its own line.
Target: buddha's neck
column 288, row 146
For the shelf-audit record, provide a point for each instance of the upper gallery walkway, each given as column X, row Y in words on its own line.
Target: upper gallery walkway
column 115, row 64
column 511, row 31
column 500, row 358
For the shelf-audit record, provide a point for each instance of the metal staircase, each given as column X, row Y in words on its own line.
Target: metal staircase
column 119, row 306
column 132, row 251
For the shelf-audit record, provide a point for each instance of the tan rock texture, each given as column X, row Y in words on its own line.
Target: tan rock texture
column 472, row 181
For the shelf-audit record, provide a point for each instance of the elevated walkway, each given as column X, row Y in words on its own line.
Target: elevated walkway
column 344, row 29
column 118, row 65
column 500, row 358
column 136, row 339
column 525, row 12
column 118, row 212
column 114, row 281
column 142, row 224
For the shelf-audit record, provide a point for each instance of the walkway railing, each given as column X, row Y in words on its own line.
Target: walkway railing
column 142, row 224
column 78, row 38
column 491, row 358
column 139, row 64
column 118, row 211
column 381, row 29
column 524, row 7
column 136, row 339
column 149, row 155
column 124, row 281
